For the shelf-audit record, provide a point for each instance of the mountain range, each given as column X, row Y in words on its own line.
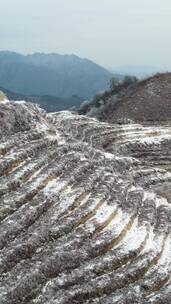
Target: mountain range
column 52, row 74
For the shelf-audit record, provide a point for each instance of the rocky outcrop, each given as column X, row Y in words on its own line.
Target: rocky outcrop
column 16, row 118
column 85, row 210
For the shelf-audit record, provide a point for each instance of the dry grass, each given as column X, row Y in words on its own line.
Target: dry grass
column 2, row 96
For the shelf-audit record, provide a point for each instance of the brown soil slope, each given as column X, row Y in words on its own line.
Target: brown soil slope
column 148, row 101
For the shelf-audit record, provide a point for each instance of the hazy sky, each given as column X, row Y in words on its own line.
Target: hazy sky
column 110, row 32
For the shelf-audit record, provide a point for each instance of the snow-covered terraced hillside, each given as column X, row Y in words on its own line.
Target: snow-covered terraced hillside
column 85, row 209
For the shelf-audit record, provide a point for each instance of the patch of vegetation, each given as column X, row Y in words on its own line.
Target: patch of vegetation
column 99, row 104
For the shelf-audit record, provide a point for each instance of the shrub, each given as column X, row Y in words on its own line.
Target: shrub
column 114, row 83
column 128, row 80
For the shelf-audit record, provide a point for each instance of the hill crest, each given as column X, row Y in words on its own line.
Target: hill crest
column 143, row 101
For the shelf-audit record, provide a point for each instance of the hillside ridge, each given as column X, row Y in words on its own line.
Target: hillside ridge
column 85, row 209
column 144, row 101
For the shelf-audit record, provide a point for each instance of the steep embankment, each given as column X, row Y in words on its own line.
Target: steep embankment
column 148, row 101
column 85, row 210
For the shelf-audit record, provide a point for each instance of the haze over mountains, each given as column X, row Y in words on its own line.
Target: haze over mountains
column 85, row 152
column 51, row 74
column 140, row 71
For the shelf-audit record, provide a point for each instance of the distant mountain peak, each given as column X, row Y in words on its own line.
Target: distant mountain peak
column 52, row 74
